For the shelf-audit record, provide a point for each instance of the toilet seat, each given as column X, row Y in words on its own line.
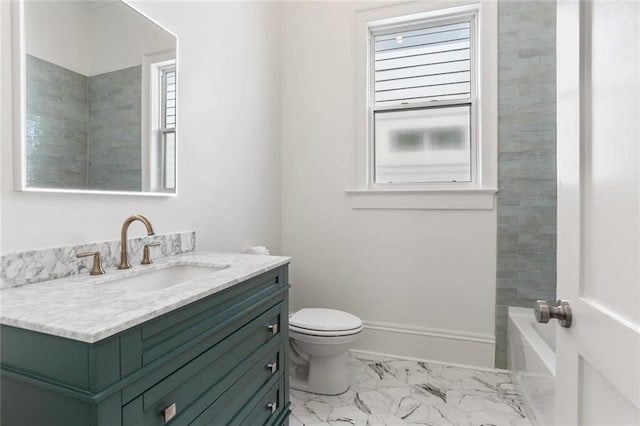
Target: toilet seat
column 324, row 322
column 319, row 333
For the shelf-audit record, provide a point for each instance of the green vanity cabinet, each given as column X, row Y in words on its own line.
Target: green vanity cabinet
column 217, row 361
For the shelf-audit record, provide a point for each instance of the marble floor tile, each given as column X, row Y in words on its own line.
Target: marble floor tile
column 389, row 391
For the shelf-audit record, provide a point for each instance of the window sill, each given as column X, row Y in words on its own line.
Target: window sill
column 423, row 199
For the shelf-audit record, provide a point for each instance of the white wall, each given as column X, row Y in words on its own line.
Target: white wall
column 91, row 40
column 423, row 280
column 58, row 32
column 229, row 164
column 114, row 47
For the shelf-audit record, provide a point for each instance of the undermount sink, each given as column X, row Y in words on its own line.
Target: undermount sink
column 163, row 278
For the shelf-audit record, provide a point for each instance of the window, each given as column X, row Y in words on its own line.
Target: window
column 426, row 116
column 168, row 126
column 422, row 101
column 159, row 122
column 162, row 123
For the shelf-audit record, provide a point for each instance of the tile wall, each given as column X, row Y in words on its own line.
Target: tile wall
column 56, row 136
column 83, row 132
column 115, row 130
column 526, row 268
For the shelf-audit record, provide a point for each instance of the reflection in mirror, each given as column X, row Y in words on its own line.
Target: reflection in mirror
column 100, row 98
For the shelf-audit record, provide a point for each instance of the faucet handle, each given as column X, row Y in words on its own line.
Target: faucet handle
column 146, row 258
column 97, row 261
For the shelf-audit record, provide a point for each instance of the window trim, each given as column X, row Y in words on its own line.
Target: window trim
column 411, row 24
column 484, row 108
column 164, row 129
column 150, row 162
column 153, row 121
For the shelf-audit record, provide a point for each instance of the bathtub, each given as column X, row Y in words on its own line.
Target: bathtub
column 532, row 360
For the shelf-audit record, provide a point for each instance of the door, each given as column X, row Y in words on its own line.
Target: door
column 598, row 357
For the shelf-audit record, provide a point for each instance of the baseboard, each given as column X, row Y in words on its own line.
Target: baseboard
column 443, row 346
column 380, row 355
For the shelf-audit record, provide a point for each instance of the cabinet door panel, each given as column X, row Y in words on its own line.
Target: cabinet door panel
column 239, row 400
column 268, row 408
column 190, row 315
column 256, row 327
column 55, row 358
column 27, row 404
column 226, row 409
column 202, row 381
column 227, row 393
column 214, row 327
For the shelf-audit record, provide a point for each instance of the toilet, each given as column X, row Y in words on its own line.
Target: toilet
column 319, row 340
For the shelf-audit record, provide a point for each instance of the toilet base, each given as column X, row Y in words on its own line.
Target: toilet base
column 324, row 376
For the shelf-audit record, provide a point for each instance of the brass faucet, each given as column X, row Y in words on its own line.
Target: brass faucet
column 146, row 257
column 124, row 255
column 97, row 261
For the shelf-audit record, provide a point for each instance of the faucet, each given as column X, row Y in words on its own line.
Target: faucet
column 124, row 255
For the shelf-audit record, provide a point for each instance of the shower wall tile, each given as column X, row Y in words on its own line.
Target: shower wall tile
column 83, row 132
column 114, row 151
column 56, row 134
column 526, row 268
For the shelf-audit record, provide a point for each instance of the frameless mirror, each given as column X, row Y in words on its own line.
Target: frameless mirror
column 98, row 99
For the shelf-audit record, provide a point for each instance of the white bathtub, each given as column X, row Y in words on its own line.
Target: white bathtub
column 532, row 360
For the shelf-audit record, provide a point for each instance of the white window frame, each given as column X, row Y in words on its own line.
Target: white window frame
column 469, row 16
column 152, row 109
column 164, row 129
column 480, row 192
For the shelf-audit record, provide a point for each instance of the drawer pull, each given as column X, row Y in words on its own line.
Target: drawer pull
column 273, row 366
column 169, row 412
column 273, row 328
column 273, row 407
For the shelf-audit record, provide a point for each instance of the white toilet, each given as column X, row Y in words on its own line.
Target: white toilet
column 319, row 340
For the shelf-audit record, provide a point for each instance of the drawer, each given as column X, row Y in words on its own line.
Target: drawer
column 195, row 385
column 216, row 315
column 232, row 407
column 268, row 409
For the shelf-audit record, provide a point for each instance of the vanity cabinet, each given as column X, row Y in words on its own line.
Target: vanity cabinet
column 216, row 361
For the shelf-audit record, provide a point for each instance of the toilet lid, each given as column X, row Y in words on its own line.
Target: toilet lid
column 321, row 319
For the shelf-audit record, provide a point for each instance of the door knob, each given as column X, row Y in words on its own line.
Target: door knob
column 561, row 312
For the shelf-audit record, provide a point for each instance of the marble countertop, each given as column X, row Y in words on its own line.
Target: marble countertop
column 88, row 309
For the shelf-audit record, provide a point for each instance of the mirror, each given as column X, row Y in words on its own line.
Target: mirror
column 98, row 99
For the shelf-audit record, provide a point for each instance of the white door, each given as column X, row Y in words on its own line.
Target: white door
column 598, row 357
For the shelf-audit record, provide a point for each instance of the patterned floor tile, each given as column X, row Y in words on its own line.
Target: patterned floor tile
column 394, row 392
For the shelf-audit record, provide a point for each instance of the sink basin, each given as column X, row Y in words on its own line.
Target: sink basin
column 163, row 278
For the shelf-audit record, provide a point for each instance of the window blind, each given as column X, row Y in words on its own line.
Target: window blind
column 170, row 99
column 422, row 65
